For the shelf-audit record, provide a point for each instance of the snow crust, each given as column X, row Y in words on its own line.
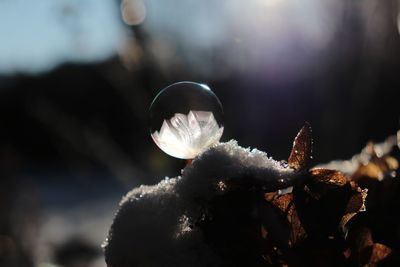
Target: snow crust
column 155, row 225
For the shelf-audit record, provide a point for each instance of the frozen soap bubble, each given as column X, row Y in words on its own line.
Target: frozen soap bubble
column 186, row 119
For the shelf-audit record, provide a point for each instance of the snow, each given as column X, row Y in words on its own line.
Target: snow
column 155, row 225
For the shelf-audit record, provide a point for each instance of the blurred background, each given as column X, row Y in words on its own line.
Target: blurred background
column 77, row 78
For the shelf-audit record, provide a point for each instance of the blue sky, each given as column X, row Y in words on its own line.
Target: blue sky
column 35, row 36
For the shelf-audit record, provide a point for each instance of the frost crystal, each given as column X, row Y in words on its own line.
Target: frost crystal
column 186, row 136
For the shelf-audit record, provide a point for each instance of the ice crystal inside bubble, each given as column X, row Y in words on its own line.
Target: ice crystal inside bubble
column 186, row 119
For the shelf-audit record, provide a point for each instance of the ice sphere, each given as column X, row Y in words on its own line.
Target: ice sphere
column 186, row 119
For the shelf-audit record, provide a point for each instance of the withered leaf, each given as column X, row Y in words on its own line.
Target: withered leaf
column 376, row 168
column 365, row 251
column 301, row 153
column 297, row 231
column 326, row 176
column 363, row 239
column 355, row 205
column 269, row 196
column 282, row 202
column 286, row 205
column 345, row 219
column 369, row 170
column 356, row 202
column 360, row 239
column 378, row 253
column 264, row 232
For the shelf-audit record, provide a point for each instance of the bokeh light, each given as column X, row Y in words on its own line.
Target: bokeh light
column 133, row 11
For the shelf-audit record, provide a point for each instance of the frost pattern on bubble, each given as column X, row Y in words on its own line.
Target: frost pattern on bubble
column 186, row 136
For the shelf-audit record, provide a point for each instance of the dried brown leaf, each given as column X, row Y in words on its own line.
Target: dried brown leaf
column 345, row 219
column 378, row 253
column 264, row 232
column 282, row 202
column 286, row 205
column 376, row 168
column 365, row 251
column 270, row 195
column 301, row 153
column 370, row 170
column 326, row 176
column 355, row 205
column 297, row 231
column 364, row 239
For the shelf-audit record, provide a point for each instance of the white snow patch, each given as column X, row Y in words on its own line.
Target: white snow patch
column 155, row 224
